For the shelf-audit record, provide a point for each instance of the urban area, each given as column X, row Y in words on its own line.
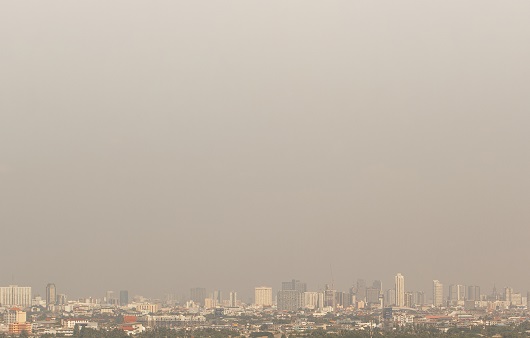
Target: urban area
column 365, row 310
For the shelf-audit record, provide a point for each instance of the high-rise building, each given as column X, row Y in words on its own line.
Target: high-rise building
column 400, row 290
column 377, row 284
column 457, row 293
column 14, row 315
column 473, row 292
column 51, row 294
column 419, row 298
column 289, row 300
column 198, row 295
column 294, row 285
column 109, row 297
column 263, row 296
column 310, row 300
column 361, row 290
column 14, row 295
column 61, row 299
column 233, row 299
column 124, row 297
column 217, row 297
column 409, row 299
column 437, row 293
column 372, row 295
column 329, row 297
column 390, row 297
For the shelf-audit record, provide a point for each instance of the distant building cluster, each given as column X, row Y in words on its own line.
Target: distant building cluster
column 455, row 305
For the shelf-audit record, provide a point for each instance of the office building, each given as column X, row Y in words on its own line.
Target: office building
column 310, row 300
column 400, row 290
column 289, row 300
column 361, row 290
column 263, row 296
column 15, row 295
column 377, row 284
column 473, row 293
column 294, row 285
column 14, row 315
column 329, row 297
column 198, row 295
column 437, row 293
column 124, row 297
column 372, row 295
column 457, row 293
column 419, row 298
column 61, row 299
column 390, row 297
column 51, row 294
column 233, row 299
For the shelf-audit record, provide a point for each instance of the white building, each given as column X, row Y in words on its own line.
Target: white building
column 437, row 293
column 400, row 290
column 310, row 300
column 263, row 296
column 233, row 299
column 14, row 295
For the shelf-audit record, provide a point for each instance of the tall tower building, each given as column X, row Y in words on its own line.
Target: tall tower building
column 263, row 296
column 289, row 300
column 457, row 293
column 198, row 295
column 294, row 285
column 377, row 284
column 390, row 297
column 419, row 298
column 400, row 290
column 233, row 299
column 51, row 294
column 361, row 290
column 437, row 293
column 124, row 297
column 14, row 295
column 473, row 292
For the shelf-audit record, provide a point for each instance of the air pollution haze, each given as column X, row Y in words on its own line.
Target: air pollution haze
column 157, row 146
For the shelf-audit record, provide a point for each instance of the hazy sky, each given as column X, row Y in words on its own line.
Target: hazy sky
column 160, row 145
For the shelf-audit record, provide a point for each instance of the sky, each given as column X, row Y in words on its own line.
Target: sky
column 156, row 146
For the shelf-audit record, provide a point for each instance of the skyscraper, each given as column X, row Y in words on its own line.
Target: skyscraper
column 217, row 297
column 377, row 284
column 473, row 292
column 372, row 295
column 294, row 285
column 263, row 296
column 198, row 295
column 15, row 295
column 233, row 299
column 289, row 300
column 124, row 297
column 437, row 293
column 457, row 293
column 51, row 294
column 109, row 297
column 400, row 290
column 361, row 289
column 419, row 298
column 390, row 297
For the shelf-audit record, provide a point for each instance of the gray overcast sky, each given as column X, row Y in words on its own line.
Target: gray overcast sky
column 159, row 145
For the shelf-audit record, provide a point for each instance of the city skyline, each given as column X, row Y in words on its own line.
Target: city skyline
column 198, row 294
column 228, row 145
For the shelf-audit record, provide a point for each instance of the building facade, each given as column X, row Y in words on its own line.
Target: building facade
column 263, row 296
column 437, row 293
column 14, row 295
column 400, row 290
